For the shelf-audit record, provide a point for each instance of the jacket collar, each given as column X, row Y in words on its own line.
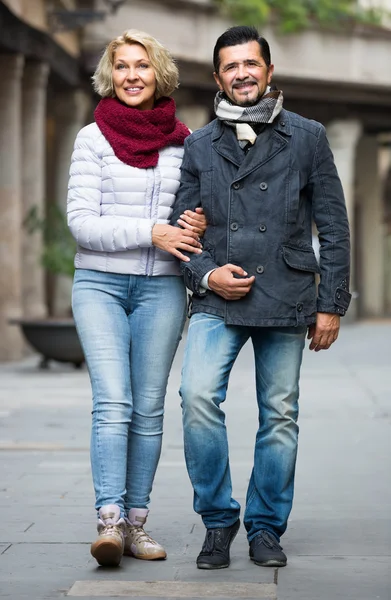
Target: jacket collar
column 282, row 124
column 225, row 142
column 267, row 145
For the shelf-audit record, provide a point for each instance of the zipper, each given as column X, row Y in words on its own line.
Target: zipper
column 150, row 253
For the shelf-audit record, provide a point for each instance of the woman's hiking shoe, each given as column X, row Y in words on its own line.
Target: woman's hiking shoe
column 109, row 547
column 265, row 550
column 215, row 551
column 137, row 541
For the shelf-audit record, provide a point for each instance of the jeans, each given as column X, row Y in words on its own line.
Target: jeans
column 129, row 327
column 210, row 353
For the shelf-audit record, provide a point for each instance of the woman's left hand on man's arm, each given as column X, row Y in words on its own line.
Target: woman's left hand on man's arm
column 194, row 221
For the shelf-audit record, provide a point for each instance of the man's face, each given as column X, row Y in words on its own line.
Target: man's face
column 243, row 74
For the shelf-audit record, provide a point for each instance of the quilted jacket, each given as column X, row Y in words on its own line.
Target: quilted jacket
column 112, row 207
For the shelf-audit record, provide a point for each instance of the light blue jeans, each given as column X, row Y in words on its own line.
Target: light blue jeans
column 211, row 350
column 130, row 327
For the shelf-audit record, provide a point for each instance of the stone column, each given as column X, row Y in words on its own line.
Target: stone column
column 33, row 179
column 385, row 176
column 70, row 111
column 194, row 116
column 343, row 137
column 371, row 228
column 11, row 70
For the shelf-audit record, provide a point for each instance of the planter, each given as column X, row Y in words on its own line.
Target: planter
column 54, row 339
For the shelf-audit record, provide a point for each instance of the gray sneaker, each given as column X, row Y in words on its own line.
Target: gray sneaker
column 109, row 547
column 265, row 550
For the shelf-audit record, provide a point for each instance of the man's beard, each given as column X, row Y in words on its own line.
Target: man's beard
column 250, row 102
column 247, row 102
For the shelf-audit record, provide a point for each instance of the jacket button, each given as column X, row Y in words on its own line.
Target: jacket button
column 263, row 186
column 260, row 269
column 262, row 228
column 234, row 226
column 338, row 295
column 236, row 185
column 282, row 123
column 299, row 307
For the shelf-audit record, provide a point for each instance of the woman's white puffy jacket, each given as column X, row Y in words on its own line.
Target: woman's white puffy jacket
column 112, row 207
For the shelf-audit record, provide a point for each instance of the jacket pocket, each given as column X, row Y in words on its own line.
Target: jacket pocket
column 302, row 259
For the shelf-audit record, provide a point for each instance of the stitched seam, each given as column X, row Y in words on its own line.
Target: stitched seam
column 322, row 187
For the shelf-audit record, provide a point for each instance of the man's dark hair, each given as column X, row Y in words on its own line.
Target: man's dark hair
column 240, row 34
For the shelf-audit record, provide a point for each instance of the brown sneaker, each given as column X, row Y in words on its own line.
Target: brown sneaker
column 109, row 547
column 137, row 542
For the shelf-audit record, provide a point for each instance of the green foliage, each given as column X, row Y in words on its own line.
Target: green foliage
column 295, row 15
column 59, row 245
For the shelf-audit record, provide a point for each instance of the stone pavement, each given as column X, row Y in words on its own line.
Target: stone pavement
column 339, row 538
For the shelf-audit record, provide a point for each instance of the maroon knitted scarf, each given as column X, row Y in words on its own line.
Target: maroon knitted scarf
column 136, row 136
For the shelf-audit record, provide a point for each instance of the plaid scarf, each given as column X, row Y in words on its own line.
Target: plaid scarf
column 240, row 117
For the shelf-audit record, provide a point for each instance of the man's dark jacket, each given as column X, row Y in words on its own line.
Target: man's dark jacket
column 259, row 207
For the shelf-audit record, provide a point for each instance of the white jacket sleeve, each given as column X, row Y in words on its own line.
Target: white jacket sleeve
column 89, row 227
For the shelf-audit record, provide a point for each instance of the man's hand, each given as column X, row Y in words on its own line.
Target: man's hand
column 324, row 332
column 223, row 282
column 194, row 221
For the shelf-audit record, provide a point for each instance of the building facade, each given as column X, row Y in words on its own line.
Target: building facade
column 42, row 105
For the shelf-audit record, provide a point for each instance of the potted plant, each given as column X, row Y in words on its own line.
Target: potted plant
column 54, row 338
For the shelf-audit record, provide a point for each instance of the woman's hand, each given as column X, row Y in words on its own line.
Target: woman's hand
column 173, row 240
column 194, row 221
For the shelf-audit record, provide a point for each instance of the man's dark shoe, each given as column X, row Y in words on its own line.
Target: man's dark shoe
column 265, row 551
column 215, row 551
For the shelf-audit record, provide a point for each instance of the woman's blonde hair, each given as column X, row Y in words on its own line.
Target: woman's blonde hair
column 166, row 71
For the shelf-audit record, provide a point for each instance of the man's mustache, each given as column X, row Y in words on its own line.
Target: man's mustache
column 243, row 82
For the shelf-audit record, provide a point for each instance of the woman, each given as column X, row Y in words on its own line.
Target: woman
column 129, row 300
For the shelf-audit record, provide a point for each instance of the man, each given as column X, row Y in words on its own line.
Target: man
column 261, row 174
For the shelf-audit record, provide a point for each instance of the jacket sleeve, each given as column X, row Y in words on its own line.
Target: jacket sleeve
column 91, row 229
column 189, row 198
column 330, row 216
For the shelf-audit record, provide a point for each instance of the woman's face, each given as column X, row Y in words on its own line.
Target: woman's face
column 134, row 79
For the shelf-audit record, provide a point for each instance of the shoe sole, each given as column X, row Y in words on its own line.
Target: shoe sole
column 208, row 566
column 106, row 554
column 160, row 556
column 269, row 563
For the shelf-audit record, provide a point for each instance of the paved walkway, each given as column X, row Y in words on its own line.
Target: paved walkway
column 339, row 539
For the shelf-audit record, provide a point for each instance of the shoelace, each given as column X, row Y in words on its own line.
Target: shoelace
column 141, row 535
column 110, row 530
column 211, row 541
column 268, row 540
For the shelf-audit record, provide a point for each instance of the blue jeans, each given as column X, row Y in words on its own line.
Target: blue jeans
column 130, row 327
column 211, row 350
